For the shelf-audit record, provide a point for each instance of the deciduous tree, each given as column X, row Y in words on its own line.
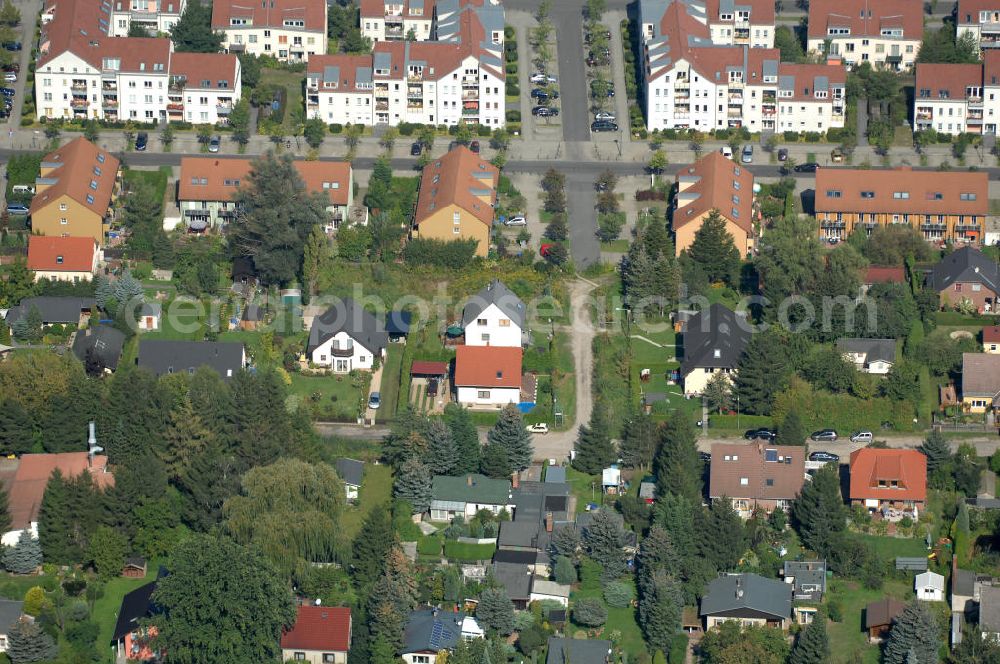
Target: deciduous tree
column 107, row 552
column 193, row 32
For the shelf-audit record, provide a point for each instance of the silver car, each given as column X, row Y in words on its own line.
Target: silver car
column 604, row 115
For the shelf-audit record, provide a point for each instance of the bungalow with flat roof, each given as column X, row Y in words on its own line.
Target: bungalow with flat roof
column 465, row 495
column 748, row 599
column 980, row 382
column 756, row 476
column 966, row 590
column 807, row 578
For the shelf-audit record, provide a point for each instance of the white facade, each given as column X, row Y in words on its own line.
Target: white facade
column 286, row 43
column 11, row 536
column 493, row 328
column 396, row 20
column 929, row 587
column 740, row 30
column 542, row 589
column 156, row 16
column 342, row 354
column 479, row 397
column 982, row 23
column 888, row 51
column 446, row 511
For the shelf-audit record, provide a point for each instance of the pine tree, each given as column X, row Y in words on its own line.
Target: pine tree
column 660, row 609
column 566, row 541
column 594, row 450
column 54, row 524
column 185, row 437
column 762, row 373
column 678, row 466
column 915, row 629
column 25, row 556
column 656, row 554
column 463, row 432
column 413, row 484
column 102, row 291
column 5, row 519
column 128, row 292
column 819, row 512
column 791, row 431
column 33, row 325
column 813, row 645
column 495, row 612
column 495, row 462
column 69, row 415
column 27, row 642
column 509, row 432
column 16, row 430
column 721, row 537
column 638, row 444
column 656, row 240
column 371, row 548
column 603, row 540
column 442, row 454
column 935, row 447
column 713, row 249
column 564, row 571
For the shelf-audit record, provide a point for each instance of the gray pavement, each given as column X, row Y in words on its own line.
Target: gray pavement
column 567, row 17
column 582, row 216
column 29, row 15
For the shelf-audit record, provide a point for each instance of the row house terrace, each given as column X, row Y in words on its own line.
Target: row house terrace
column 396, row 20
column 156, row 17
column 958, row 98
column 947, row 206
column 289, row 30
column 885, row 33
column 981, row 20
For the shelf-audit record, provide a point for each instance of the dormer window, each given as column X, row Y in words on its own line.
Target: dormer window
column 59, row 260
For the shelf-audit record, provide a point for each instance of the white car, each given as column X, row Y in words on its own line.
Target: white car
column 604, row 115
column 541, row 427
column 726, row 151
column 10, row 77
column 543, row 78
column 519, row 220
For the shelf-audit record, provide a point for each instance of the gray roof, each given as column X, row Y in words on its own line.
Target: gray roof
column 963, row 582
column 351, row 471
column 515, row 578
column 10, row 611
column 874, row 349
column 647, row 489
column 150, row 309
column 966, row 265
column 578, row 651
column 53, row 309
column 518, row 533
column 495, row 292
column 433, row 630
column 348, row 316
column 806, row 573
column 165, row 357
column 106, row 341
column 555, row 475
column 471, row 488
column 989, row 608
column 716, row 338
column 747, row 595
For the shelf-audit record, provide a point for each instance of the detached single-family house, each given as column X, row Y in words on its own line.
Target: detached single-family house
column 980, row 382
column 882, row 274
column 352, row 473
column 892, row 482
column 63, row 258
column 713, row 341
column 756, row 476
column 749, row 599
column 989, row 612
column 432, row 631
column 10, row 612
column 494, row 316
column 346, row 337
column 162, row 356
column 132, row 641
column 807, row 578
column 929, row 587
column 991, row 339
column 880, row 615
column 872, row 356
column 148, row 316
column 464, row 496
column 100, row 344
column 967, row 274
column 320, row 635
column 578, row 651
column 54, row 310
column 488, row 376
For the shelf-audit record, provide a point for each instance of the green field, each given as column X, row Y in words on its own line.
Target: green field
column 391, row 370
column 620, row 620
column 468, row 553
column 892, row 547
column 848, row 638
column 376, row 490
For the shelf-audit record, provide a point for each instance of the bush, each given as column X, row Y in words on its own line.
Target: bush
column 813, row 136
column 618, row 594
column 512, row 89
column 438, row 253
column 508, row 33
column 650, row 195
column 483, row 131
column 27, row 121
column 407, row 128
column 511, row 69
column 513, row 115
column 678, row 649
column 590, row 612
column 791, row 136
column 835, row 610
column 336, row 128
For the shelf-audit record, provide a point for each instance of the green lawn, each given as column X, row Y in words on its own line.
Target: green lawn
column 185, row 322
column 848, row 639
column 892, row 547
column 335, row 397
column 619, row 246
column 586, row 488
column 468, row 553
column 292, row 82
column 375, row 490
column 157, row 179
column 391, row 370
column 619, row 619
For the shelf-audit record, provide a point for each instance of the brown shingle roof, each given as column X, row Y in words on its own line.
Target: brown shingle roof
column 721, row 185
column 83, row 172
column 946, row 81
column 487, row 366
column 883, row 612
column 462, row 178
column 866, row 18
column 269, row 14
column 216, row 179
column 877, row 274
column 980, row 374
column 33, row 474
column 869, row 466
column 62, row 254
column 772, row 472
column 840, row 190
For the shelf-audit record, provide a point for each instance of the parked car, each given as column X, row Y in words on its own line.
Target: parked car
column 10, row 77
column 604, row 115
column 747, row 156
column 782, row 154
column 825, row 457
column 474, row 146
column 603, row 125
column 214, row 143
column 13, row 66
column 543, row 78
column 808, row 167
column 374, row 400
column 837, row 155
column 12, row 45
column 541, row 427
column 23, row 189
column 8, row 92
column 538, row 93
column 726, row 151
column 16, row 209
column 416, row 149
column 519, row 220
column 141, row 141
column 862, row 437
column 432, row 387
column 828, row 435
column 545, row 111
column 760, row 434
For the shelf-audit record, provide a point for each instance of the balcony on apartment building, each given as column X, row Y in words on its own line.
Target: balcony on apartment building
column 414, row 92
column 224, row 107
column 470, row 108
column 382, row 105
column 769, row 110
column 470, row 80
column 312, row 100
column 832, row 223
column 109, row 88
column 734, row 112
column 741, row 36
column 110, row 102
column 177, row 83
column 468, row 95
column 78, row 86
column 736, row 98
column 393, row 27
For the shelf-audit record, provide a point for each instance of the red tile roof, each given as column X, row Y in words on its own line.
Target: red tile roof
column 269, row 14
column 76, row 253
column 866, row 18
column 991, row 334
column 781, row 465
column 807, row 76
column 908, row 468
column 722, row 185
column 84, row 172
column 376, row 9
column 761, row 11
column 219, row 177
column 33, row 474
column 991, row 67
column 325, row 628
column 968, row 10
column 460, row 177
column 920, row 187
column 346, row 72
column 219, row 70
column 946, row 81
column 487, row 366
column 877, row 274
column 428, row 368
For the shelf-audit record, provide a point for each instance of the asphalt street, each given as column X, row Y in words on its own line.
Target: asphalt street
column 568, row 21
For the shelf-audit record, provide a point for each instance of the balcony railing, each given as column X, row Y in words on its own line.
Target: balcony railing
column 224, row 109
column 833, row 224
column 470, row 94
column 110, row 103
column 79, row 104
column 381, row 106
column 470, row 111
column 415, row 77
column 77, row 86
column 342, row 352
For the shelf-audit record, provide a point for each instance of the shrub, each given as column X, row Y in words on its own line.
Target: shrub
column 835, row 610
column 678, row 649
column 618, row 594
column 813, row 136
column 511, row 69
column 27, row 121
column 513, row 115
column 483, row 131
column 590, row 612
column 650, row 195
column 336, row 128
column 512, row 89
column 792, row 136
column 508, row 32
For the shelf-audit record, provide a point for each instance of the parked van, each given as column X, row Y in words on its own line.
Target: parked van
column 23, row 189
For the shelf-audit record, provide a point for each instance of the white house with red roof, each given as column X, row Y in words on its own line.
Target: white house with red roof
column 204, row 87
column 487, row 376
column 289, row 30
column 396, row 20
column 320, row 635
column 63, row 258
column 883, row 32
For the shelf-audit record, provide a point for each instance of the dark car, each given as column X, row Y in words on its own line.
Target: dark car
column 12, row 46
column 808, row 167
column 760, row 434
column 824, row 434
column 416, row 149
column 432, row 387
column 705, row 456
column 13, row 66
column 544, row 111
column 474, row 146
column 141, row 141
column 825, row 457
column 782, row 154
column 8, row 92
column 603, row 125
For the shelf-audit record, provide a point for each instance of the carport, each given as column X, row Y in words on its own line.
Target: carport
column 428, row 369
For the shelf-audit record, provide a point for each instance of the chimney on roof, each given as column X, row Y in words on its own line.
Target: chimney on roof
column 515, row 479
column 548, row 522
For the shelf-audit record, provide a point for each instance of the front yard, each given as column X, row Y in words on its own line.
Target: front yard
column 337, row 397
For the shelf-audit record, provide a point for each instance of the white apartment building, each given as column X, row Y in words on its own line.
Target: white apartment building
column 739, row 22
column 203, row 87
column 886, row 33
column 958, row 98
column 289, row 30
column 691, row 82
column 156, row 16
column 395, row 20
column 981, row 19
column 457, row 78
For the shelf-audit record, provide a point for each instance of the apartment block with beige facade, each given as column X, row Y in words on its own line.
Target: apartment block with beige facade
column 289, row 30
column 456, row 198
column 941, row 206
column 396, row 20
column 885, row 33
column 714, row 184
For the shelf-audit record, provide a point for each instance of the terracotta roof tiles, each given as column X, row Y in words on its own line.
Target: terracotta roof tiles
column 61, row 254
column 82, row 171
column 722, row 185
column 217, row 178
column 901, row 191
column 946, row 81
column 33, row 474
column 269, row 14
column 325, row 628
column 459, row 178
column 866, row 18
column 487, row 366
column 888, row 474
column 205, row 71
